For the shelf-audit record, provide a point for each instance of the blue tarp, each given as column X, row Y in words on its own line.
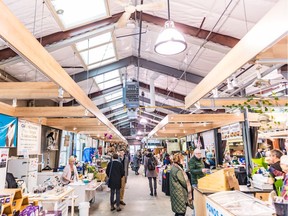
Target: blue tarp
column 88, row 154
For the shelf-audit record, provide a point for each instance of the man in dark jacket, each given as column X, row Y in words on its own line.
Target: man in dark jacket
column 115, row 172
column 196, row 167
column 124, row 159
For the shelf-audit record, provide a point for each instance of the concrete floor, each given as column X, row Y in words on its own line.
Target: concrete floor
column 137, row 199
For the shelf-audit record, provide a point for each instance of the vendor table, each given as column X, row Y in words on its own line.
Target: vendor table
column 90, row 191
column 55, row 199
column 199, row 196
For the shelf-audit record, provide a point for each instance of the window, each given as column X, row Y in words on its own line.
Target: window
column 72, row 13
column 65, row 148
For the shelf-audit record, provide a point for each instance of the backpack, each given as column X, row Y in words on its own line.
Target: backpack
column 11, row 182
column 151, row 163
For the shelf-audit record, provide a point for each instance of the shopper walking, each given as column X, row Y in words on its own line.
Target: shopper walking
column 115, row 172
column 196, row 167
column 124, row 159
column 180, row 187
column 150, row 163
column 136, row 162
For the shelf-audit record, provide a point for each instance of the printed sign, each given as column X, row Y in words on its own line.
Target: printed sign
column 235, row 130
column 213, row 209
column 4, row 157
column 231, row 131
column 29, row 138
column 225, row 132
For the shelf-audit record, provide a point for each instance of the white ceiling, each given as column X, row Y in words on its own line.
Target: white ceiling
column 200, row 57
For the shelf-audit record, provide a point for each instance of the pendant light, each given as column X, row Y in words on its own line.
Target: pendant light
column 170, row 41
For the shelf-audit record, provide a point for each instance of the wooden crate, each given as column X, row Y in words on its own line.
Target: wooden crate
column 221, row 180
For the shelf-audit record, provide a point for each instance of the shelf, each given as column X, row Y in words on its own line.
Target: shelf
column 18, row 202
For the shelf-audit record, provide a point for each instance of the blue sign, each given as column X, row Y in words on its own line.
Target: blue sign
column 8, row 131
column 212, row 211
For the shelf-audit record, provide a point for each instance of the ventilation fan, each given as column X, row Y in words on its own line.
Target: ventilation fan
column 129, row 9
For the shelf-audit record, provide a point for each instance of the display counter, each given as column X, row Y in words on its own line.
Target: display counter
column 56, row 200
column 85, row 192
column 235, row 203
column 200, row 195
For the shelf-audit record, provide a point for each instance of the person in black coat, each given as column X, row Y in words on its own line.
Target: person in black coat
column 115, row 172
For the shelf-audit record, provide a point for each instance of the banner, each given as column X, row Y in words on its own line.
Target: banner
column 29, row 138
column 8, row 128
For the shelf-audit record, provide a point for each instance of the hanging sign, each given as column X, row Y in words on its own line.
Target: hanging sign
column 8, row 128
column 235, row 130
column 225, row 132
column 29, row 138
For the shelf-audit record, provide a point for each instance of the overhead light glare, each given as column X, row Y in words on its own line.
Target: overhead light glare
column 14, row 102
column 215, row 93
column 170, row 41
column 229, row 85
column 60, row 92
column 86, row 112
column 197, row 105
column 143, row 121
column 235, row 82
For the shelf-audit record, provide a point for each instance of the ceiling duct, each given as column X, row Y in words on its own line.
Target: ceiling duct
column 152, row 97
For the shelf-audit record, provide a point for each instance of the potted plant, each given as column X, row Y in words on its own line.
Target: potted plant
column 92, row 172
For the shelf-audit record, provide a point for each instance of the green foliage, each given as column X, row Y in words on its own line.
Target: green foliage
column 261, row 106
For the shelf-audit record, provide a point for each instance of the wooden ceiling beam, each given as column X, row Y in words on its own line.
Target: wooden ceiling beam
column 31, row 50
column 204, row 117
column 30, row 90
column 73, row 122
column 32, row 112
column 219, row 103
column 40, row 120
column 277, row 51
column 85, row 128
column 245, row 50
column 7, row 109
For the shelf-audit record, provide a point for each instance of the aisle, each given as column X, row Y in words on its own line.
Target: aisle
column 137, row 199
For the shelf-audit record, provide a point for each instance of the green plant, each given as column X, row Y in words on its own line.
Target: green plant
column 262, row 106
column 92, row 169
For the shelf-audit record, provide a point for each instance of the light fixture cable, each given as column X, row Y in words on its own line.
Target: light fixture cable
column 195, row 55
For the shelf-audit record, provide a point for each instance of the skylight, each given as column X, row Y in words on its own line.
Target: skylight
column 109, row 83
column 106, row 76
column 98, row 54
column 93, row 42
column 108, row 80
column 73, row 13
column 114, row 96
column 97, row 51
column 116, row 106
